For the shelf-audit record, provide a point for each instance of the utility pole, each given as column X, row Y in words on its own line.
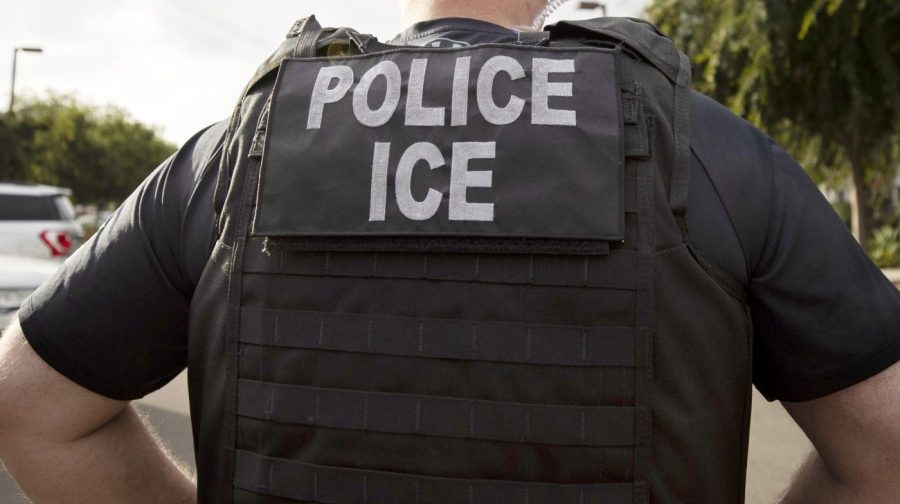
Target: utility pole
column 12, row 86
column 593, row 6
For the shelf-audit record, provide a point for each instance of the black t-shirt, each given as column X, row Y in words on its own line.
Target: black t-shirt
column 114, row 319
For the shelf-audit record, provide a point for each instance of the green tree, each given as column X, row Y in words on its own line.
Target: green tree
column 12, row 163
column 820, row 75
column 728, row 45
column 98, row 152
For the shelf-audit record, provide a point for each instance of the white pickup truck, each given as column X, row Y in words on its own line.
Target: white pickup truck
column 37, row 221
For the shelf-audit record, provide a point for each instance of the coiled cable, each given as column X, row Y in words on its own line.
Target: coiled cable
column 551, row 7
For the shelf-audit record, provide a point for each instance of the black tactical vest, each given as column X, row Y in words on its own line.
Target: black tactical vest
column 413, row 301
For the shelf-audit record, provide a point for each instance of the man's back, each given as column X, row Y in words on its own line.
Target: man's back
column 591, row 370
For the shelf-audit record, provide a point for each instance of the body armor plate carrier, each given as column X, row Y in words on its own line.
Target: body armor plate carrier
column 463, row 276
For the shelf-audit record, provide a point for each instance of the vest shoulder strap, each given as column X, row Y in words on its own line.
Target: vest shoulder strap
column 638, row 35
column 648, row 42
column 300, row 41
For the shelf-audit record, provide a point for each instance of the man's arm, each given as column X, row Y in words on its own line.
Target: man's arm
column 856, row 433
column 64, row 443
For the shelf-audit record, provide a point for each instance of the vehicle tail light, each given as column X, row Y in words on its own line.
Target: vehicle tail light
column 58, row 242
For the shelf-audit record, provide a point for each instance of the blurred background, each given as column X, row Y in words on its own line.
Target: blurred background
column 97, row 93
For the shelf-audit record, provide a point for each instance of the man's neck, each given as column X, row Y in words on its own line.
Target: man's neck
column 508, row 13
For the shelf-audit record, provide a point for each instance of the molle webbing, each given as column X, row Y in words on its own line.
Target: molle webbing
column 610, row 356
column 615, row 271
column 312, row 483
column 439, row 416
column 484, row 341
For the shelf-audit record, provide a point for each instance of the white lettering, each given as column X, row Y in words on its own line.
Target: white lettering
column 380, row 116
column 542, row 89
column 416, row 114
column 334, row 82
column 378, row 198
column 460, row 104
column 461, row 179
column 412, row 209
column 323, row 92
column 485, row 92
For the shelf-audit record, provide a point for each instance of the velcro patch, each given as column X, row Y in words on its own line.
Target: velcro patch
column 489, row 142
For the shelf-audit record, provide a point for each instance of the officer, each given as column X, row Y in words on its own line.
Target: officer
column 494, row 267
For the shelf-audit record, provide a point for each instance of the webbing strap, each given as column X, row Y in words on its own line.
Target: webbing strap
column 304, row 33
column 615, row 271
column 631, row 205
column 244, row 181
column 487, row 341
column 300, row 41
column 637, row 136
column 682, row 131
column 451, row 417
column 637, row 35
column 335, row 485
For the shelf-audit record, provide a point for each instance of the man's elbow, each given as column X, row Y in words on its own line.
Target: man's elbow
column 856, row 432
column 12, row 408
column 39, row 405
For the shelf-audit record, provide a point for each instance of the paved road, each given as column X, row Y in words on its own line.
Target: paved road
column 777, row 446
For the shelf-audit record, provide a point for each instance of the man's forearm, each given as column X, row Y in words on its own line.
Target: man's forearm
column 121, row 462
column 815, row 483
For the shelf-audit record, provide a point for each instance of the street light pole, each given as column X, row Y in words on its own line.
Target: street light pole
column 12, row 86
column 593, row 6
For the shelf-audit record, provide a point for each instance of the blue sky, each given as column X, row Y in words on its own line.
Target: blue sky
column 175, row 64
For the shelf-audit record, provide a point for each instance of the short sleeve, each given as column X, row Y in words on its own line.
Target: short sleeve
column 825, row 316
column 114, row 318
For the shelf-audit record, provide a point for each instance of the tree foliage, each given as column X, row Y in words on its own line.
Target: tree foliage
column 820, row 75
column 98, row 152
column 12, row 164
column 885, row 247
column 728, row 45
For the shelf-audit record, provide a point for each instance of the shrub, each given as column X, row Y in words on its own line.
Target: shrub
column 884, row 248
